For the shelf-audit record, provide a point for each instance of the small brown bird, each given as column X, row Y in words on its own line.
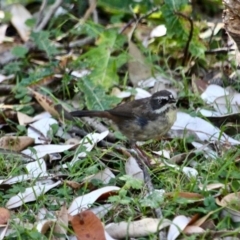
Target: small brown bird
column 142, row 119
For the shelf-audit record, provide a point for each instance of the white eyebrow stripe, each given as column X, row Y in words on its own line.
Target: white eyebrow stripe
column 162, row 97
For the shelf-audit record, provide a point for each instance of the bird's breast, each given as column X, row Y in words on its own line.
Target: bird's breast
column 143, row 128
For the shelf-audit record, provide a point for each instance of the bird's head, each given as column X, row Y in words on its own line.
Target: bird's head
column 162, row 101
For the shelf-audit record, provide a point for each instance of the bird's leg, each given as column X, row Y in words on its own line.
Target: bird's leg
column 141, row 154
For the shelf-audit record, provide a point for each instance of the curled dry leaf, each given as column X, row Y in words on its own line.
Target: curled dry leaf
column 227, row 104
column 44, row 225
column 86, row 200
column 105, row 176
column 16, row 143
column 140, row 228
column 61, row 225
column 87, row 225
column 211, row 186
column 202, row 220
column 3, row 231
column 45, row 102
column 212, row 92
column 4, row 215
column 193, row 230
column 203, row 129
column 231, row 204
column 177, row 226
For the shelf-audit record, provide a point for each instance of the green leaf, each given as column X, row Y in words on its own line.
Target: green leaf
column 19, row 51
column 95, row 96
column 131, row 182
column 102, row 61
column 13, row 67
column 43, row 42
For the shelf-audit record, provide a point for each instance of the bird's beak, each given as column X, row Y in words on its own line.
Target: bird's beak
column 172, row 100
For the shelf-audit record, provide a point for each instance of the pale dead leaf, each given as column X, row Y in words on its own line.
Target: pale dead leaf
column 40, row 130
column 36, row 167
column 193, row 230
column 132, row 168
column 3, row 231
column 105, row 176
column 158, row 31
column 29, row 195
column 178, row 225
column 88, row 142
column 211, row 186
column 141, row 93
column 203, row 129
column 19, row 15
column 227, row 104
column 212, row 92
column 3, row 29
column 231, row 204
column 44, row 225
column 23, row 118
column 140, row 228
column 43, row 150
column 86, row 200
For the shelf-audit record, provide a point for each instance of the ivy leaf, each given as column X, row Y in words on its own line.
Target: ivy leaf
column 95, row 96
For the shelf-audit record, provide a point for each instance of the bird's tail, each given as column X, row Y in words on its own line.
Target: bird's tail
column 86, row 113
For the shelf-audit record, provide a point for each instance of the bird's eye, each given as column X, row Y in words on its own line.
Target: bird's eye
column 159, row 100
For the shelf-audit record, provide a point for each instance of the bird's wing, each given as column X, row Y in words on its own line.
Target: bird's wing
column 131, row 109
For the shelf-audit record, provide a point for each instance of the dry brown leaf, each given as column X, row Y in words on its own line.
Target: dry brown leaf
column 198, row 85
column 61, row 225
column 74, row 185
column 87, row 226
column 203, row 219
column 45, row 102
column 137, row 67
column 4, row 215
column 16, row 143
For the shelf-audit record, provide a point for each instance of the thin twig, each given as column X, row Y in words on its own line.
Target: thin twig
column 48, row 15
column 90, row 10
column 189, row 37
column 41, row 12
column 81, row 42
column 223, row 50
column 137, row 20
